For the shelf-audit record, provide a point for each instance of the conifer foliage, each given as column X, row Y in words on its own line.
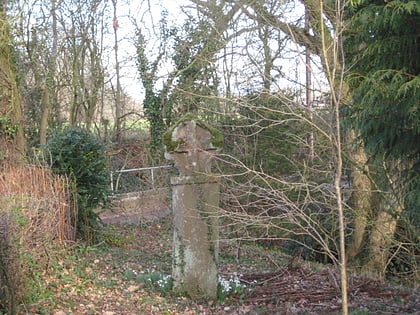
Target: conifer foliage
column 77, row 153
column 383, row 55
column 385, row 64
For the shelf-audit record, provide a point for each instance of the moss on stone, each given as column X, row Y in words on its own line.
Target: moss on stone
column 171, row 145
column 217, row 140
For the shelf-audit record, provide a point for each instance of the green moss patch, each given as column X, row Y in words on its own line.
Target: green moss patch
column 171, row 145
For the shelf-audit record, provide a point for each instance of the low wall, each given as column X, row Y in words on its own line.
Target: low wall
column 135, row 207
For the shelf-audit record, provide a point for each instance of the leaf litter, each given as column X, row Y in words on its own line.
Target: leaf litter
column 122, row 277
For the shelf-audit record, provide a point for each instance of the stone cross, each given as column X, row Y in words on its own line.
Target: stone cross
column 195, row 201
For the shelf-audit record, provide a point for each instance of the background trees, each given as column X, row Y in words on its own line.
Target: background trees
column 240, row 65
column 326, row 168
column 66, row 73
column 326, row 20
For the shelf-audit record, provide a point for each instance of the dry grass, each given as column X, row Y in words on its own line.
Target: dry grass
column 41, row 199
column 35, row 213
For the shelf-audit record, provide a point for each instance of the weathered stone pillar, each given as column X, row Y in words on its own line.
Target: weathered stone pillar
column 195, row 200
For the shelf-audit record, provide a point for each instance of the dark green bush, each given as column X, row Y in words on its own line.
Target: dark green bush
column 78, row 154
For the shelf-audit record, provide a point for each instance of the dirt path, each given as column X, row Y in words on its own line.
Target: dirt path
column 138, row 207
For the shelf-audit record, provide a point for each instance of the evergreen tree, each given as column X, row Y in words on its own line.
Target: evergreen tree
column 383, row 56
column 384, row 51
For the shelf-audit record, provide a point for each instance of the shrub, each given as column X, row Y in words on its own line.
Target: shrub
column 80, row 155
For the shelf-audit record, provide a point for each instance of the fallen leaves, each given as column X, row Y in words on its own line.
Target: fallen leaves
column 105, row 281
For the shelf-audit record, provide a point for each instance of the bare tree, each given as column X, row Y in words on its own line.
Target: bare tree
column 49, row 86
column 84, row 83
column 118, row 98
column 321, row 43
column 38, row 52
column 11, row 118
column 61, row 47
column 324, row 40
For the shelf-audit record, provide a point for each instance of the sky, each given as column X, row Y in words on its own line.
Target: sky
column 137, row 12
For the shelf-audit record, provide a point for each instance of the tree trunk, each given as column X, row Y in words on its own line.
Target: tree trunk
column 118, row 103
column 308, row 89
column 361, row 199
column 12, row 139
column 385, row 224
column 380, row 241
column 48, row 90
column 46, row 105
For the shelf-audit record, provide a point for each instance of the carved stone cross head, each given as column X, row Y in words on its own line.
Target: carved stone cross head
column 192, row 145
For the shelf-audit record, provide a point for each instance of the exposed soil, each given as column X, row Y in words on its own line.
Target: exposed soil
column 136, row 207
column 116, row 277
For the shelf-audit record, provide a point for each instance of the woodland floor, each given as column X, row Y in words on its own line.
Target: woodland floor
column 128, row 274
